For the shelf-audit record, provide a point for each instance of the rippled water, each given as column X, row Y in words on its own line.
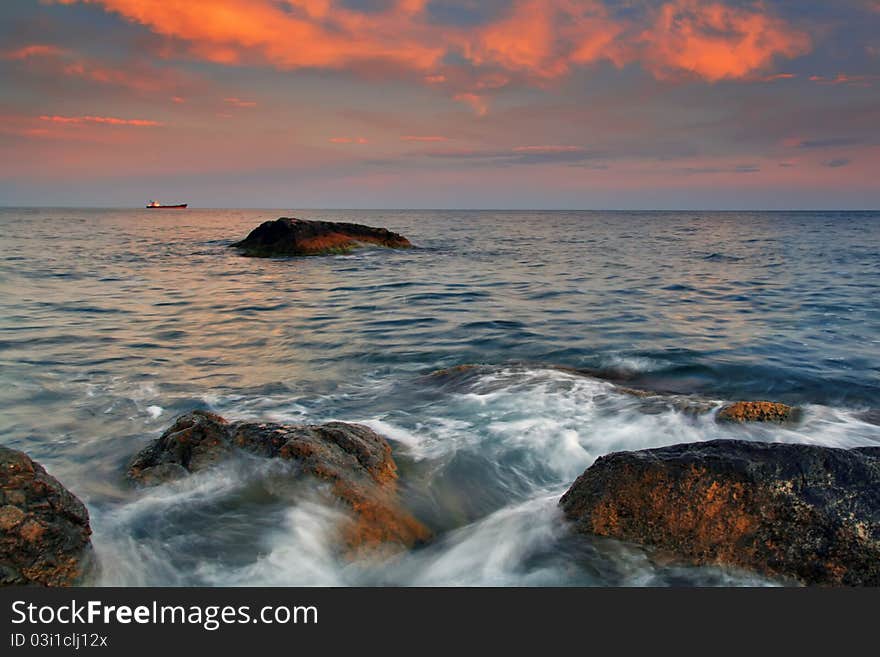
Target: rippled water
column 112, row 322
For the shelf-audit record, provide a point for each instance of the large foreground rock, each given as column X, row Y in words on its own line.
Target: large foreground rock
column 298, row 237
column 793, row 511
column 44, row 528
column 353, row 459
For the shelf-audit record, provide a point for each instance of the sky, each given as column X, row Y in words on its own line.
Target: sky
column 553, row 104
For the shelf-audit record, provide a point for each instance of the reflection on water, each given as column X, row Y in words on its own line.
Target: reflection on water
column 112, row 322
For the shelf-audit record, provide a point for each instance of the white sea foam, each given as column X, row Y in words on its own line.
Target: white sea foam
column 300, row 552
column 493, row 551
column 527, row 433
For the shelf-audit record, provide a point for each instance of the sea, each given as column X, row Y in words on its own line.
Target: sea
column 115, row 321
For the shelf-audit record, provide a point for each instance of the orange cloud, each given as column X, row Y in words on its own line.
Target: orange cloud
column 304, row 34
column 108, row 120
column 545, row 39
column 532, row 41
column 715, row 41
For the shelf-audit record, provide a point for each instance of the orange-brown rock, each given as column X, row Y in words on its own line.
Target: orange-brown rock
column 44, row 528
column 808, row 513
column 353, row 459
column 757, row 411
column 299, row 237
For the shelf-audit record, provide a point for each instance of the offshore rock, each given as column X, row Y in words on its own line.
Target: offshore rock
column 299, row 237
column 352, row 458
column 800, row 512
column 44, row 528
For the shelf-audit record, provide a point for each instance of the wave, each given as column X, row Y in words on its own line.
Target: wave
column 721, row 257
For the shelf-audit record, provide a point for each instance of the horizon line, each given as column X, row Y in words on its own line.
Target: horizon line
column 436, row 209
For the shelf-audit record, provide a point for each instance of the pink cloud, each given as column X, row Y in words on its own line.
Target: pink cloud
column 547, row 149
column 348, row 140
column 59, row 61
column 107, row 120
column 477, row 103
column 778, row 76
column 843, row 78
column 238, row 102
column 428, row 138
column 33, row 50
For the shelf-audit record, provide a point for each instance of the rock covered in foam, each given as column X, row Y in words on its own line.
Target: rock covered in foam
column 353, row 459
column 299, row 237
column 794, row 511
column 44, row 528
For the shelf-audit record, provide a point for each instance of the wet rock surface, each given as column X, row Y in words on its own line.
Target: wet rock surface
column 354, row 460
column 800, row 512
column 757, row 411
column 44, row 528
column 300, row 237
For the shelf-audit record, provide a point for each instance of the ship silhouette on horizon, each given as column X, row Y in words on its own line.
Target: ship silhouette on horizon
column 155, row 205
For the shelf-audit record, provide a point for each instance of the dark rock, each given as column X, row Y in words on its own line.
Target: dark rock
column 298, row 237
column 757, row 411
column 803, row 512
column 44, row 528
column 353, row 459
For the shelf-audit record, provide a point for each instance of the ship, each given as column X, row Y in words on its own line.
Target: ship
column 155, row 205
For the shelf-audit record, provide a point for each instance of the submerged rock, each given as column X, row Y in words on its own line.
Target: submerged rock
column 649, row 401
column 757, row 411
column 299, row 237
column 803, row 512
column 352, row 458
column 44, row 528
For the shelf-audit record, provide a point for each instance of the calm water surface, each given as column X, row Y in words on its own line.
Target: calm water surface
column 114, row 321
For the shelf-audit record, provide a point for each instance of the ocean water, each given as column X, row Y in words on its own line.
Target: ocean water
column 112, row 322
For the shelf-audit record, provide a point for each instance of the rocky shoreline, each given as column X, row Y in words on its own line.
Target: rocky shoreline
column 800, row 514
